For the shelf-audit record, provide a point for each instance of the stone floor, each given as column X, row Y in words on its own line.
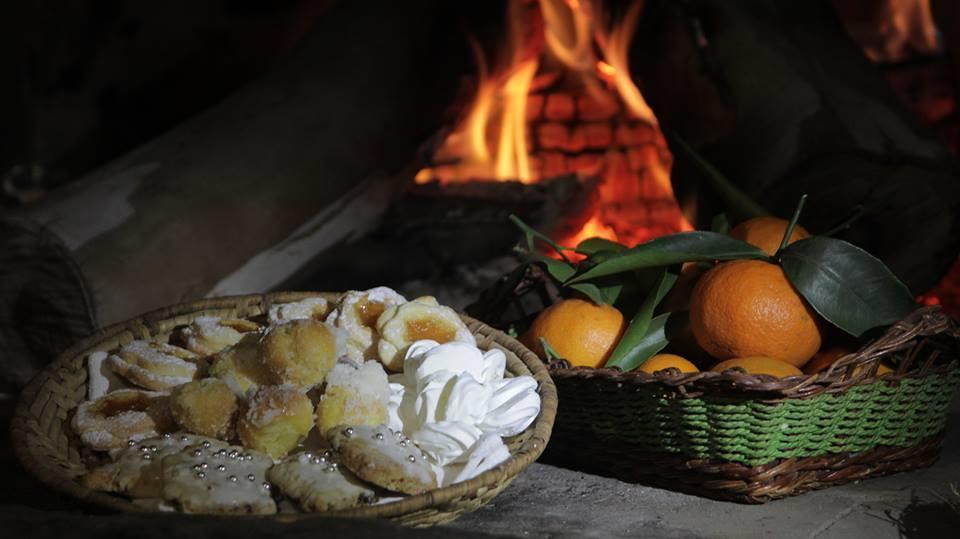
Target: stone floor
column 546, row 501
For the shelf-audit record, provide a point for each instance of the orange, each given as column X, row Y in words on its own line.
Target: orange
column 748, row 308
column 759, row 365
column 767, row 233
column 824, row 358
column 665, row 361
column 581, row 332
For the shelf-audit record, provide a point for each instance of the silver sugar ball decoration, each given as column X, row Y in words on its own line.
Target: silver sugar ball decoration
column 197, row 452
column 166, row 436
column 206, row 445
column 251, row 477
column 266, row 485
column 184, row 438
column 315, row 460
column 378, row 436
column 412, row 458
column 131, row 443
column 249, row 457
column 147, row 456
column 201, row 475
column 348, row 432
column 232, row 478
column 204, row 465
column 221, row 468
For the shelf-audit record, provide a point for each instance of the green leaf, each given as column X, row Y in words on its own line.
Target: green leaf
column 640, row 323
column 673, row 249
column 791, row 225
column 720, row 224
column 599, row 294
column 740, row 205
column 845, row 284
column 592, row 246
column 531, row 233
column 662, row 328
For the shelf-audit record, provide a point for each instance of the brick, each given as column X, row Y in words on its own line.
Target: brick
column 577, row 140
column 552, row 136
column 587, row 163
column 592, row 109
column 534, row 107
column 598, row 135
column 643, row 157
column 554, row 164
column 559, row 107
column 634, row 135
column 621, row 184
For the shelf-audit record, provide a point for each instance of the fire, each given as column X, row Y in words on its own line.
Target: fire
column 593, row 122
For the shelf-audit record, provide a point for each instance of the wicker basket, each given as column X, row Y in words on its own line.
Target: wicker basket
column 48, row 448
column 755, row 438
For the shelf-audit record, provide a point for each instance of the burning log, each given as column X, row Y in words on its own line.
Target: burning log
column 779, row 99
column 242, row 197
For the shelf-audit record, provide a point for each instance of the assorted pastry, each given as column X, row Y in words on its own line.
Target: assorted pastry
column 314, row 406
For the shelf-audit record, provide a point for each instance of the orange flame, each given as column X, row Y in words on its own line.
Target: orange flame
column 616, row 47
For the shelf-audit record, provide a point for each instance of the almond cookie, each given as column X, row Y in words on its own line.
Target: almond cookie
column 100, row 378
column 207, row 407
column 318, row 483
column 309, row 308
column 423, row 318
column 355, row 395
column 387, row 459
column 126, row 414
column 277, row 419
column 136, row 469
column 209, row 478
column 155, row 366
column 299, row 352
column 240, row 367
column 357, row 313
column 208, row 335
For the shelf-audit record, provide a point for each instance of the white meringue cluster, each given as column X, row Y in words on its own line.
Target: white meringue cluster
column 453, row 401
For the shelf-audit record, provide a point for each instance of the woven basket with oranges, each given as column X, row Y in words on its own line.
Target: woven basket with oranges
column 746, row 365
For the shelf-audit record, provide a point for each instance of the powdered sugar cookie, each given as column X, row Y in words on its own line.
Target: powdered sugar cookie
column 209, row 478
column 100, row 378
column 315, row 308
column 126, row 414
column 355, row 395
column 423, row 318
column 357, row 313
column 318, row 483
column 208, row 407
column 136, row 469
column 276, row 420
column 210, row 334
column 155, row 366
column 385, row 458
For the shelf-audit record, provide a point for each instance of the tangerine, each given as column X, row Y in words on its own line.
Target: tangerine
column 759, row 365
column 665, row 361
column 767, row 233
column 748, row 308
column 582, row 332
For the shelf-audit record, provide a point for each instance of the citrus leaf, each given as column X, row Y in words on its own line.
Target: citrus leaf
column 845, row 284
column 602, row 295
column 548, row 350
column 720, row 224
column 673, row 249
column 640, row 324
column 598, row 245
column 662, row 328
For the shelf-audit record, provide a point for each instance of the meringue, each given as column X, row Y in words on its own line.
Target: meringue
column 453, row 401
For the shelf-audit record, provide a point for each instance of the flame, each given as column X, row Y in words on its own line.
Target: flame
column 616, row 47
column 568, row 32
column 512, row 158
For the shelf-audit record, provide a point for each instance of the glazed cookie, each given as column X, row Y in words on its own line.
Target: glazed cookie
column 357, row 313
column 277, row 419
column 355, row 395
column 155, row 366
column 126, row 414
column 208, row 407
column 136, row 470
column 208, row 335
column 320, row 484
column 299, row 352
column 240, row 367
column 423, row 318
column 384, row 458
column 315, row 308
column 210, row 478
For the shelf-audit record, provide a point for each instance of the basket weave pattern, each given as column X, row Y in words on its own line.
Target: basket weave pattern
column 50, row 450
column 752, row 438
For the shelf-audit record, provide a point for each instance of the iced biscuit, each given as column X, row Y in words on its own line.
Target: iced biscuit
column 209, row 478
column 386, row 459
column 319, row 484
column 155, row 366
